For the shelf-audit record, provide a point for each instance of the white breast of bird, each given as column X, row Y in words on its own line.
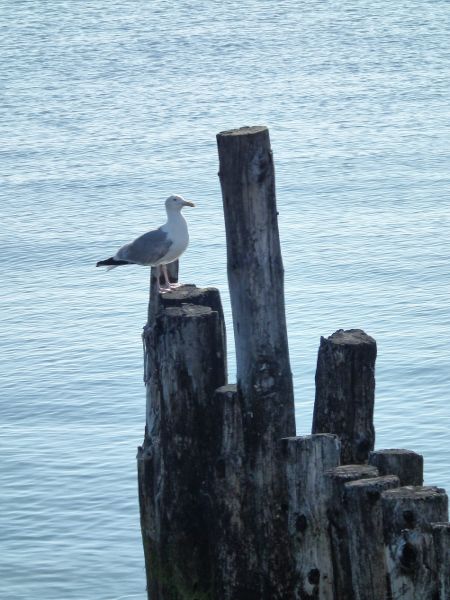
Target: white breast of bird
column 178, row 233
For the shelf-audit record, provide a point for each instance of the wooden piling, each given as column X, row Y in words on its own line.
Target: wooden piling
column 306, row 460
column 364, row 530
column 410, row 556
column 345, row 392
column 441, row 540
column 406, row 464
column 340, row 551
column 185, row 357
column 234, row 506
column 228, row 495
column 264, row 380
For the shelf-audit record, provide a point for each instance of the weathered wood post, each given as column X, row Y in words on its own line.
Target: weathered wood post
column 364, row 530
column 233, row 505
column 185, row 363
column 345, row 392
column 264, row 381
column 406, row 464
column 441, row 539
column 340, row 550
column 408, row 535
column 307, row 458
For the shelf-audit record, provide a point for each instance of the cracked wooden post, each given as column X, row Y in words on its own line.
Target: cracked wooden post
column 228, row 493
column 364, row 529
column 441, row 539
column 345, row 392
column 335, row 486
column 408, row 536
column 185, row 363
column 306, row 460
column 406, row 464
column 264, row 381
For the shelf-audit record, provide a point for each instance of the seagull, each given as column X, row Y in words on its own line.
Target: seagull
column 159, row 247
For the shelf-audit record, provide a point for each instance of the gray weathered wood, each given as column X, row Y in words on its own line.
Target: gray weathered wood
column 335, row 486
column 264, row 380
column 410, row 557
column 441, row 540
column 228, row 497
column 364, row 530
column 306, row 460
column 256, row 279
column 185, row 363
column 345, row 392
column 406, row 464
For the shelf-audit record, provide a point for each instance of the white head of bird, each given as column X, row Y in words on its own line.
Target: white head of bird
column 175, row 203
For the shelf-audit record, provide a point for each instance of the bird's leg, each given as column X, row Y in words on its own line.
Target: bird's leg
column 167, row 287
column 168, row 282
column 159, row 289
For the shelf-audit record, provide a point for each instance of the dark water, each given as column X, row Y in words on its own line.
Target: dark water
column 108, row 107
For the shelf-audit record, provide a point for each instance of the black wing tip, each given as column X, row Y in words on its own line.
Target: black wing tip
column 111, row 261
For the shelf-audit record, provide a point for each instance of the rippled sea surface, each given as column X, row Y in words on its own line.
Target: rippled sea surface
column 108, row 107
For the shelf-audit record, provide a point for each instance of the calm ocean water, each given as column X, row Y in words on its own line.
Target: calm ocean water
column 108, row 107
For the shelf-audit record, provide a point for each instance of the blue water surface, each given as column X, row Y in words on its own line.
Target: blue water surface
column 110, row 106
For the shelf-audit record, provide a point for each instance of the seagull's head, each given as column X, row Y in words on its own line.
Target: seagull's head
column 176, row 202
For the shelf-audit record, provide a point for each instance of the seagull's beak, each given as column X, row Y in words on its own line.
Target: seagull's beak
column 187, row 203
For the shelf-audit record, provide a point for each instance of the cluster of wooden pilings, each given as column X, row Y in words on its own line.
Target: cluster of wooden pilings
column 234, row 505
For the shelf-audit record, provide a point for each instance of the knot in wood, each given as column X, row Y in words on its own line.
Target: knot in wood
column 408, row 557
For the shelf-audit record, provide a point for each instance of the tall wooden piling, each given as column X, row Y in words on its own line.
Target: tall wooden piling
column 264, row 381
column 185, row 363
column 345, row 392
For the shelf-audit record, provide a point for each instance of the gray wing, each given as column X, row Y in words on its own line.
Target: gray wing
column 147, row 249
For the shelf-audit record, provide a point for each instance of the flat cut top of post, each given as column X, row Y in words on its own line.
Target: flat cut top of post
column 185, row 293
column 243, row 130
column 188, row 310
column 297, row 439
column 394, row 451
column 350, row 337
column 349, row 472
column 415, row 492
column 371, row 482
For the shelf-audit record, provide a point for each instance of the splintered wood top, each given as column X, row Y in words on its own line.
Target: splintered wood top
column 244, row 130
column 350, row 336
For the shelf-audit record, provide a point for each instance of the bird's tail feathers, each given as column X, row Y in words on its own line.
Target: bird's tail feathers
column 111, row 263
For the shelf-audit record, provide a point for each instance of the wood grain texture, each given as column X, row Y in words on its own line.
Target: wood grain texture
column 264, row 380
column 340, row 549
column 406, row 464
column 307, row 458
column 345, row 392
column 185, row 358
column 410, row 556
column 441, row 541
column 364, row 530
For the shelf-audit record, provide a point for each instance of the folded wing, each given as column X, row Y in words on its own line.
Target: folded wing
column 147, row 249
